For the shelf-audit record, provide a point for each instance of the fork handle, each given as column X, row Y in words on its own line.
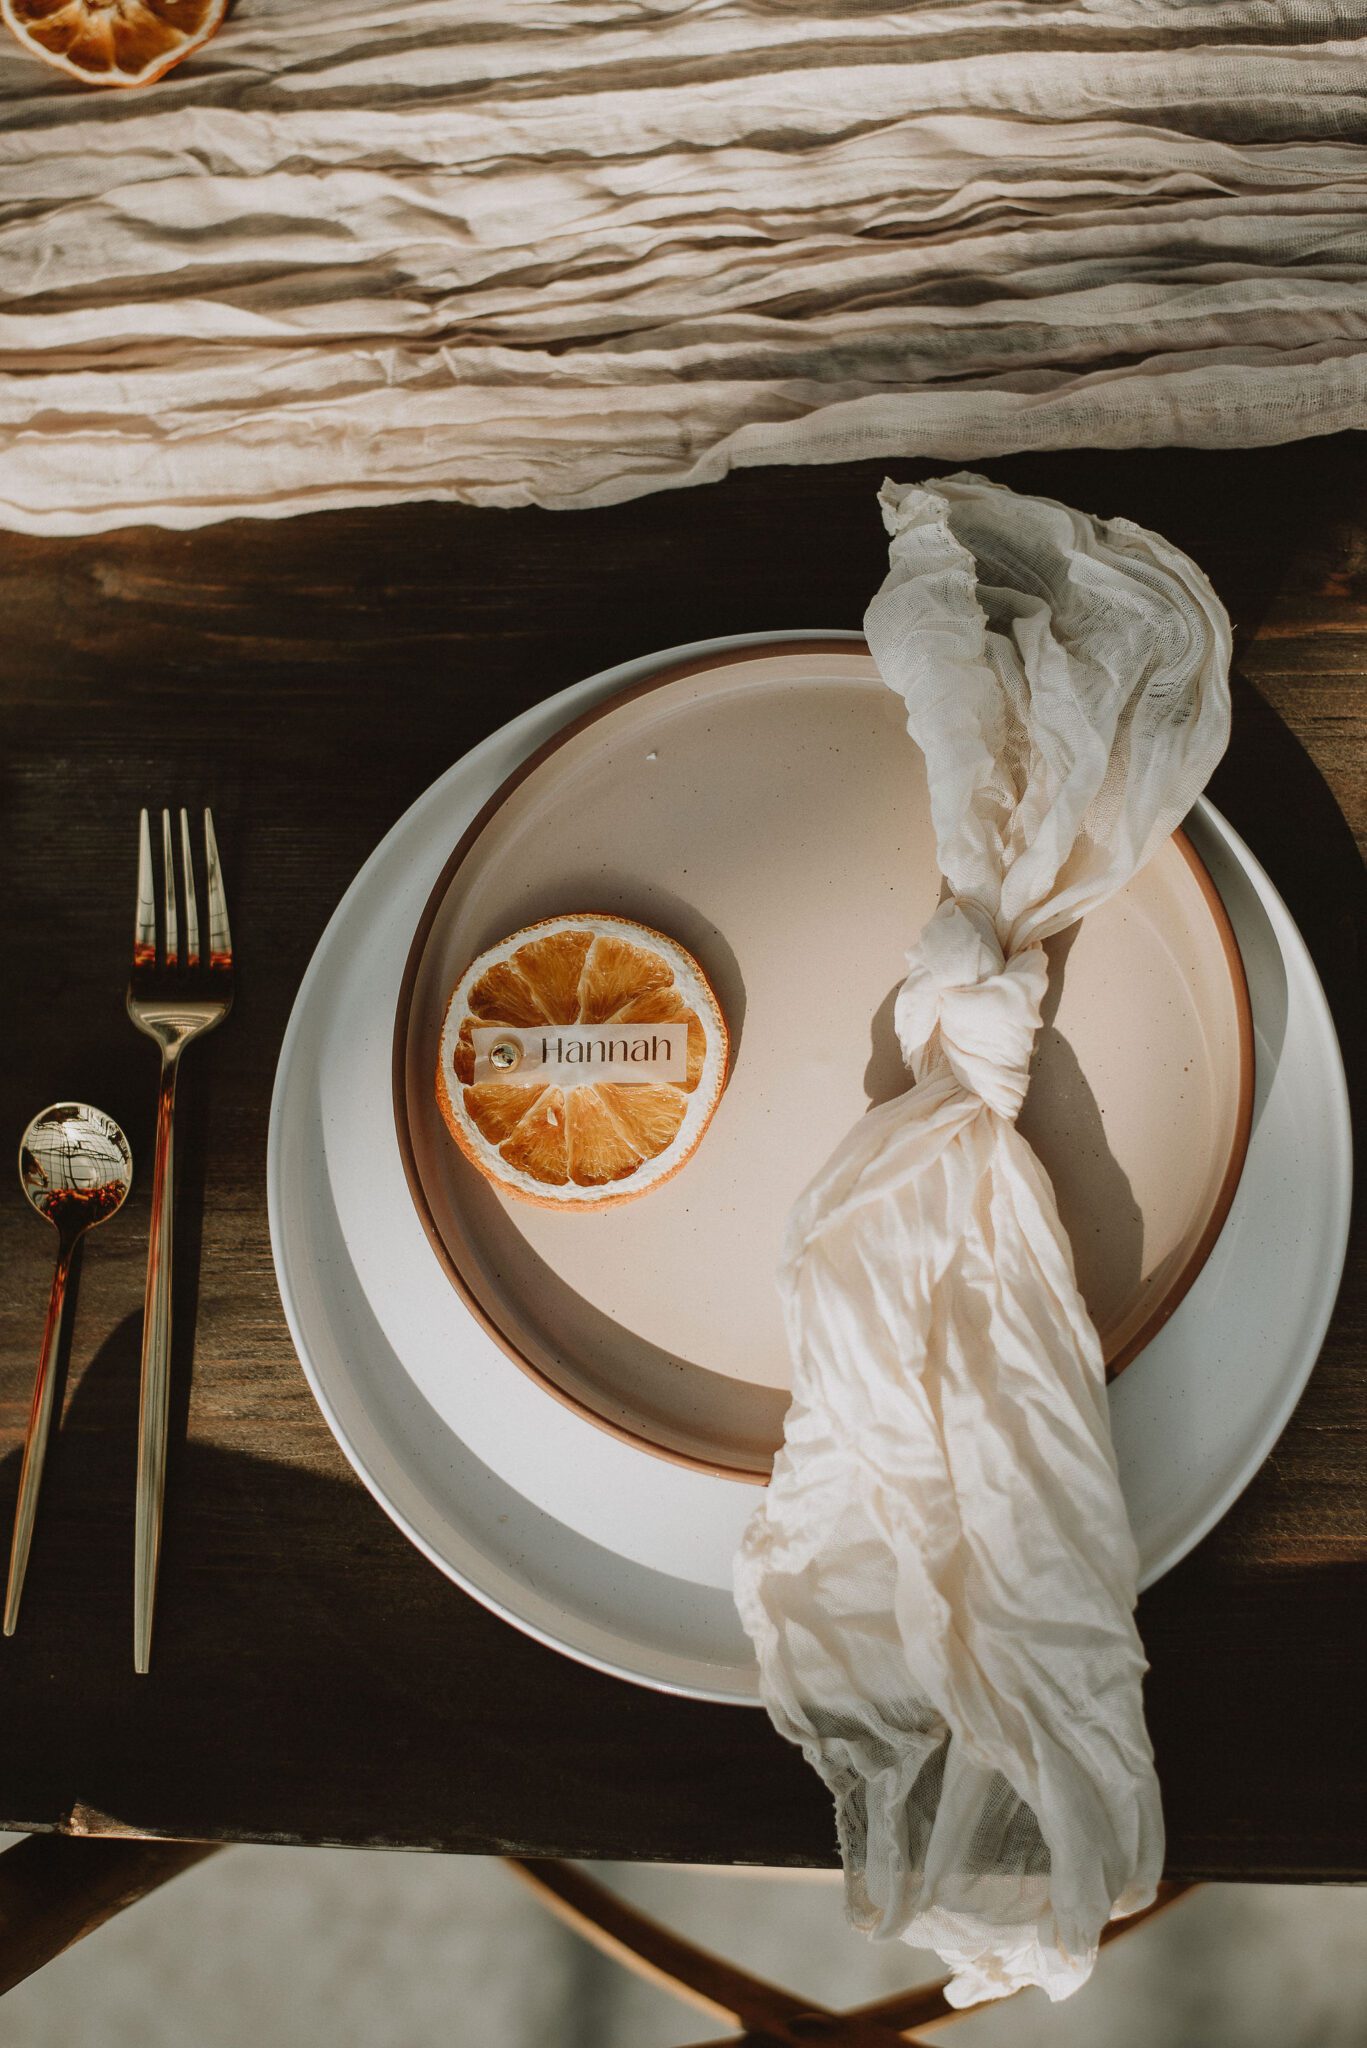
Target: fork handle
column 35, row 1441
column 154, row 1400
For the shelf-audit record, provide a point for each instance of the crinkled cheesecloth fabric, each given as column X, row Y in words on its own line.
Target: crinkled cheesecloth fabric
column 940, row 1580
column 564, row 252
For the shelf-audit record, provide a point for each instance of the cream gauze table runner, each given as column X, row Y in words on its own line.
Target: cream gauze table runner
column 568, row 251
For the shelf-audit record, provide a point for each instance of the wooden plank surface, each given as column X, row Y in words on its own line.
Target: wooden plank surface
column 315, row 1679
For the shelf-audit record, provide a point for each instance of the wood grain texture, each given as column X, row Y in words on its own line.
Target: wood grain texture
column 315, row 1679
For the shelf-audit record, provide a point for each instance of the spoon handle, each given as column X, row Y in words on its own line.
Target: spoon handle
column 35, row 1442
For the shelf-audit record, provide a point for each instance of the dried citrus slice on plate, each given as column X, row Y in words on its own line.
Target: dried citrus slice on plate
column 113, row 42
column 576, row 997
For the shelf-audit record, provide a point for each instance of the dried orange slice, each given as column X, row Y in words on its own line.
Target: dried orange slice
column 113, row 42
column 565, row 1142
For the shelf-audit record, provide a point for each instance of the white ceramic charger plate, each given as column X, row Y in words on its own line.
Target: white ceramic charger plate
column 622, row 1560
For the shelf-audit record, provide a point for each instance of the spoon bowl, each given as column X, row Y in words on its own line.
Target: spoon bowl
column 75, row 1166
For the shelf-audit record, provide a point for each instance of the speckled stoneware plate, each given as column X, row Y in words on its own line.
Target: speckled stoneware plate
column 767, row 808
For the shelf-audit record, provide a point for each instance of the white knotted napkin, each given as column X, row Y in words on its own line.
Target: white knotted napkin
column 941, row 1578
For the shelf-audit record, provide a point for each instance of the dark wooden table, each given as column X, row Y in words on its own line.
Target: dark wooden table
column 315, row 1679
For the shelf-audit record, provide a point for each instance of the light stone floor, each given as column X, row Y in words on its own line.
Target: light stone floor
column 336, row 1948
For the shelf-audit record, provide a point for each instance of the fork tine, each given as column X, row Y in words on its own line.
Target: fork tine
column 191, row 904
column 169, row 892
column 145, row 922
column 220, row 938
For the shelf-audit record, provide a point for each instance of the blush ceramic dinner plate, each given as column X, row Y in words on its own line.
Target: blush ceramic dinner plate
column 767, row 808
column 623, row 1560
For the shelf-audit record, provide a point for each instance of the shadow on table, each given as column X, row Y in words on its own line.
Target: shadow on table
column 1275, row 797
column 314, row 1677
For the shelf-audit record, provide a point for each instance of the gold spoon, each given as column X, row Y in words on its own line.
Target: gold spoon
column 76, row 1169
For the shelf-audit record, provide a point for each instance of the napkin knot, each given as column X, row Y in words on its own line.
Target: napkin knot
column 964, row 1001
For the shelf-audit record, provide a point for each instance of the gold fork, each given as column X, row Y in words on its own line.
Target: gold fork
column 175, row 994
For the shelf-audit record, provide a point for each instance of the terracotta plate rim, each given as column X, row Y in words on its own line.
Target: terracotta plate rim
column 675, row 672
